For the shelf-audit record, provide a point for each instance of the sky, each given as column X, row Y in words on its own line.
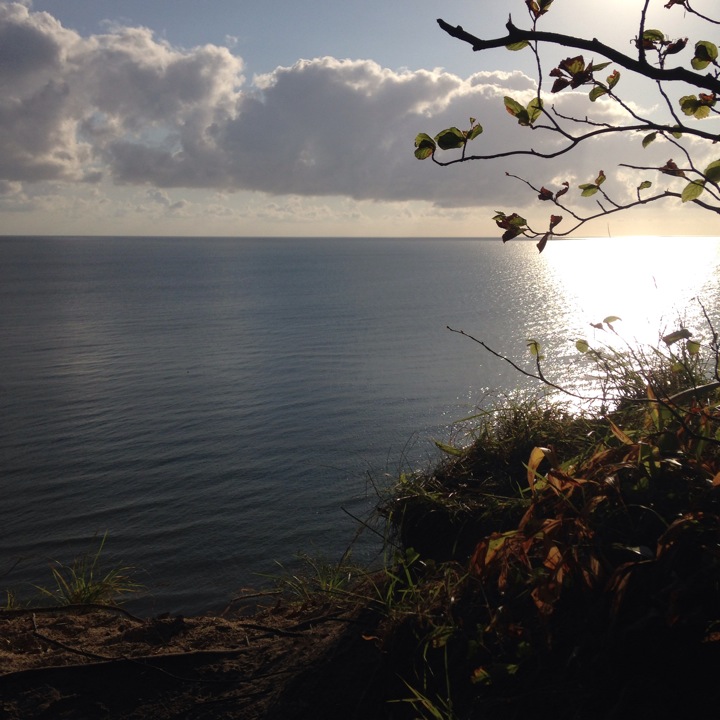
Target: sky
column 280, row 118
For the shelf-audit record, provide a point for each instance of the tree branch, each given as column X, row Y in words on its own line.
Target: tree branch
column 640, row 67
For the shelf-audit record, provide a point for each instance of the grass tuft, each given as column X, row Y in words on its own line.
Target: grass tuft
column 83, row 581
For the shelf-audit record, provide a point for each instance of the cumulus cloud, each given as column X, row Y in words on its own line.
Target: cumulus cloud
column 130, row 107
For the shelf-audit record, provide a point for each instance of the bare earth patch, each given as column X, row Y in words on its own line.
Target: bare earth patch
column 280, row 662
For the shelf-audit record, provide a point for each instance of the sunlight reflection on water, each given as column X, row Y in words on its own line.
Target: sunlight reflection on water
column 648, row 282
column 654, row 285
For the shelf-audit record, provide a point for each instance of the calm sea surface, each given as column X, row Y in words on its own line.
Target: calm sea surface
column 215, row 404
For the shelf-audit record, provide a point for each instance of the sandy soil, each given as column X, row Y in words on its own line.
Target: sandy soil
column 282, row 661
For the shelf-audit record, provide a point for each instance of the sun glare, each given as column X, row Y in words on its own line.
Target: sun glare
column 652, row 283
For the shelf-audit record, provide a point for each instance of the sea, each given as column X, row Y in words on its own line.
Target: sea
column 216, row 409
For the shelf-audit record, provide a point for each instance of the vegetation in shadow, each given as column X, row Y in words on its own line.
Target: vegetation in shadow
column 568, row 564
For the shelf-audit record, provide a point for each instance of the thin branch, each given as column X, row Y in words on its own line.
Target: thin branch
column 573, row 142
column 522, row 371
column 691, row 10
column 640, row 44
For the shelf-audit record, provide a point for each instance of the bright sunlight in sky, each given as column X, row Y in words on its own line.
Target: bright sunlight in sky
column 225, row 117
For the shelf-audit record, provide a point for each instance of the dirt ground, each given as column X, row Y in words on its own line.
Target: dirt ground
column 89, row 663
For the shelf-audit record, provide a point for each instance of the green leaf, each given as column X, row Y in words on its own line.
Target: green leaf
column 644, row 185
column 610, row 319
column 517, row 110
column 513, row 106
column 474, row 132
column 707, row 48
column 689, row 104
column 673, row 337
column 693, row 347
column 534, row 109
column 648, row 139
column 693, row 190
column 517, row 46
column 705, row 54
column 582, row 346
column 598, row 91
column 712, row 171
column 588, row 189
column 613, row 79
column 449, row 449
column 450, row 139
column 654, row 35
column 523, row 118
column 601, row 66
column 534, row 347
column 425, row 146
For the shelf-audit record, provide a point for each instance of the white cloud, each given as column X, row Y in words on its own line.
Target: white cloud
column 127, row 106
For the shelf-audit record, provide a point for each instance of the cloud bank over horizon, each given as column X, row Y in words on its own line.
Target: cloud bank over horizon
column 128, row 109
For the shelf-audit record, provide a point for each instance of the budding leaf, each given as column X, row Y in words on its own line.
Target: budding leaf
column 588, row 189
column 582, row 346
column 644, row 185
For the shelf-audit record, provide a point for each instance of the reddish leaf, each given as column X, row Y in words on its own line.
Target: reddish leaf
column 511, row 233
column 563, row 190
column 580, row 79
column 677, row 46
column 545, row 194
column 573, row 65
column 543, row 242
column 555, row 220
column 670, row 168
column 560, row 84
